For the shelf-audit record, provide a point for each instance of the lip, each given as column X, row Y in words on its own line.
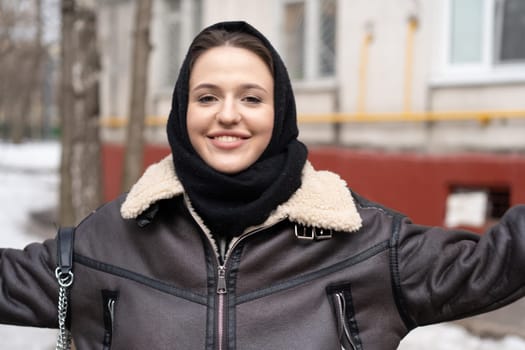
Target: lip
column 228, row 140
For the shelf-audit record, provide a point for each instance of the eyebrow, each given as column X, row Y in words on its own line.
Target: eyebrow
column 215, row 87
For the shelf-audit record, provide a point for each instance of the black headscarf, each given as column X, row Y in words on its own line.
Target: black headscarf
column 229, row 203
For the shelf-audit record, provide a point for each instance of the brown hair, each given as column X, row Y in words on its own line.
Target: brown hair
column 220, row 37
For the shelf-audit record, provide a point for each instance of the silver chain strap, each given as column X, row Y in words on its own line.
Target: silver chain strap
column 65, row 280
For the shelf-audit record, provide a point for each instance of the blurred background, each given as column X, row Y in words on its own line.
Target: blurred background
column 417, row 104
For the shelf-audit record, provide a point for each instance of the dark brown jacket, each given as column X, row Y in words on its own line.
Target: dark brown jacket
column 148, row 276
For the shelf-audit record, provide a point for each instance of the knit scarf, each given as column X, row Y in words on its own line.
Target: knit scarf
column 230, row 203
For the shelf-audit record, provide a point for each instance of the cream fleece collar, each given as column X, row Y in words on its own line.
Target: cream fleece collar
column 322, row 201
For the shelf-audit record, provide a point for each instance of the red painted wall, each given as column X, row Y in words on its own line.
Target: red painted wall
column 418, row 184
column 412, row 183
column 113, row 160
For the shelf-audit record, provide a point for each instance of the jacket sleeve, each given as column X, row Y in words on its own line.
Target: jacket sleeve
column 442, row 275
column 28, row 288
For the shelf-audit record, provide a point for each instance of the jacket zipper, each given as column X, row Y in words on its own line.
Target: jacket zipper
column 345, row 335
column 222, row 290
column 109, row 299
column 222, row 285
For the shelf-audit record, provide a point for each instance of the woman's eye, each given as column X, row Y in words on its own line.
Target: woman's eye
column 206, row 99
column 252, row 99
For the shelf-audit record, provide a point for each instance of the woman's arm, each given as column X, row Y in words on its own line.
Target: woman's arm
column 28, row 288
column 447, row 274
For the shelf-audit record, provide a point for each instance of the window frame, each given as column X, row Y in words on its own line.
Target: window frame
column 188, row 29
column 312, row 62
column 489, row 70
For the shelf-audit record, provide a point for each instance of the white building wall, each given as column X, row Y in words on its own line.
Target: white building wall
column 261, row 14
column 115, row 23
column 433, row 87
column 388, row 20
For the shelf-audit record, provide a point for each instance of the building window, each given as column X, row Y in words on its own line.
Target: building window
column 476, row 207
column 309, row 44
column 182, row 20
column 327, row 38
column 466, row 44
column 510, row 29
column 485, row 36
column 294, row 40
column 174, row 47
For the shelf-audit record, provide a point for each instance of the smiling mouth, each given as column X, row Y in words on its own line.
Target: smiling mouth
column 227, row 138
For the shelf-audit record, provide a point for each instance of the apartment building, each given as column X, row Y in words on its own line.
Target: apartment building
column 439, row 85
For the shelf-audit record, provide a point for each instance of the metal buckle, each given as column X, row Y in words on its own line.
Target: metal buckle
column 322, row 234
column 304, row 235
column 65, row 279
column 311, row 233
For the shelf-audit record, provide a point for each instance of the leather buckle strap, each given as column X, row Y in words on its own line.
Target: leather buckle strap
column 65, row 242
column 311, row 233
column 321, row 234
column 64, row 274
column 304, row 234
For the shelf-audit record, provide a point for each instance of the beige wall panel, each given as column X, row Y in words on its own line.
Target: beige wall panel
column 316, row 133
column 481, row 97
column 115, row 28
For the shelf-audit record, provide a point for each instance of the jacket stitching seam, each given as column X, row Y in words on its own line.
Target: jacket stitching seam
column 311, row 276
column 232, row 281
column 144, row 280
column 482, row 309
column 396, row 276
column 373, row 206
column 211, row 289
column 394, row 263
column 376, row 208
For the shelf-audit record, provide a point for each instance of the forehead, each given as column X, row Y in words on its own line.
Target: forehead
column 228, row 61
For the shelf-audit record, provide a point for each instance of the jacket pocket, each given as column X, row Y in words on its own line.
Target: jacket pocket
column 340, row 296
column 109, row 303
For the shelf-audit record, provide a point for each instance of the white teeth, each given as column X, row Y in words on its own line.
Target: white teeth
column 227, row 138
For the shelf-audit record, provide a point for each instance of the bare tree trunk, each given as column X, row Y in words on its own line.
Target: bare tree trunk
column 18, row 90
column 133, row 160
column 7, row 48
column 86, row 162
column 19, row 115
column 26, row 102
column 80, row 190
column 26, row 82
column 37, row 98
column 67, row 112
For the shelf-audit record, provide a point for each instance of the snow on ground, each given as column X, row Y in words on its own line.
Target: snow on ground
column 448, row 336
column 29, row 182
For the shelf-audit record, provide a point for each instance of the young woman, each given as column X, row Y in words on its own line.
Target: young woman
column 236, row 242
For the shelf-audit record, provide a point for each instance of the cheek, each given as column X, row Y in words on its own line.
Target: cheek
column 267, row 128
column 193, row 126
column 268, row 136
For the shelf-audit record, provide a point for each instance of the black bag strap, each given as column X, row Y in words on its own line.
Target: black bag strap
column 65, row 242
column 64, row 274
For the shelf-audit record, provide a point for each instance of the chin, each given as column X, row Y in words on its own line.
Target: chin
column 229, row 169
column 229, row 165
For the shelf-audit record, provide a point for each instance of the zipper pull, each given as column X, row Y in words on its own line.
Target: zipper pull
column 221, row 283
column 111, row 309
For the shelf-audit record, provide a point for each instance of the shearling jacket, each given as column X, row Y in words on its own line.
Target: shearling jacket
column 327, row 270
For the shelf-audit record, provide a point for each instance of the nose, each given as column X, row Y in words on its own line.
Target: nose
column 228, row 112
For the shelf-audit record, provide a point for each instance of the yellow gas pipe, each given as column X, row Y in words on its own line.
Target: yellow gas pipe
column 409, row 63
column 363, row 70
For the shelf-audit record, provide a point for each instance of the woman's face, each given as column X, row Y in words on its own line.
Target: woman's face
column 230, row 109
